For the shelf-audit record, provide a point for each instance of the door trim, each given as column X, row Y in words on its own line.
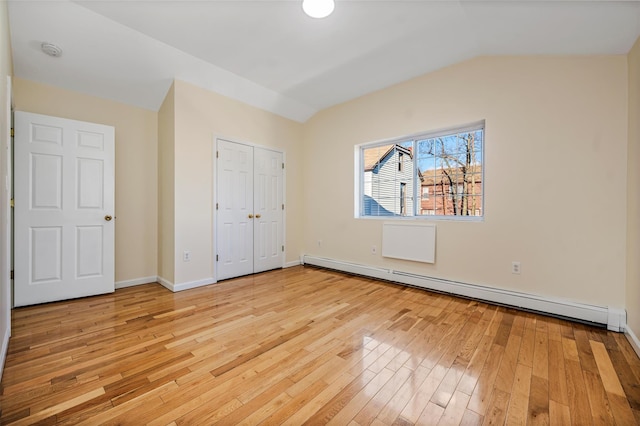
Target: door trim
column 6, row 248
column 214, row 187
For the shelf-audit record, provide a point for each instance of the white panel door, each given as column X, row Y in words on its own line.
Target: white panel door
column 249, row 224
column 268, row 210
column 64, row 203
column 234, row 230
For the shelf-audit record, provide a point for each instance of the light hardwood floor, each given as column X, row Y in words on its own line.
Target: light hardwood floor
column 310, row 346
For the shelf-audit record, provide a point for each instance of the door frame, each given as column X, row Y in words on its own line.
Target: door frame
column 6, row 238
column 214, row 187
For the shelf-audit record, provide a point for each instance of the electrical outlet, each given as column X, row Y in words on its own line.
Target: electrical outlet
column 186, row 256
column 515, row 268
column 374, row 249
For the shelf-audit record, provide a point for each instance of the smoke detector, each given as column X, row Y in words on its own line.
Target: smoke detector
column 51, row 49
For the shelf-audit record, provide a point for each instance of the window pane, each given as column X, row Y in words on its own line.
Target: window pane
column 447, row 182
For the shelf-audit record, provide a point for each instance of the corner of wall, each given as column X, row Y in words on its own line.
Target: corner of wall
column 166, row 188
column 632, row 287
column 633, row 340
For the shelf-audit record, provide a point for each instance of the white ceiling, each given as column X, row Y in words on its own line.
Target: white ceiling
column 270, row 55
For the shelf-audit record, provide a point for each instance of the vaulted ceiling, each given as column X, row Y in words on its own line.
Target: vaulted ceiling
column 271, row 55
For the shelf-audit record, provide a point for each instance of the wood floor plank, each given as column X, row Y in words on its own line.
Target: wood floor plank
column 557, row 375
column 578, row 399
column 559, row 414
column 605, row 368
column 497, row 411
column 431, row 414
column 398, row 402
column 307, row 345
column 541, row 353
column 479, row 401
column 359, row 400
column 375, row 405
column 519, row 401
column 422, row 394
column 507, row 369
column 600, row 409
column 538, row 401
column 319, row 401
column 64, row 405
column 471, row 418
column 295, row 403
column 455, row 409
column 470, row 377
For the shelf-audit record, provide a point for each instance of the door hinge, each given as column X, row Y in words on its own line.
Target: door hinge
column 13, row 132
column 217, row 257
column 13, row 203
column 11, row 275
column 283, row 207
column 282, row 166
column 283, row 248
column 217, row 154
column 216, row 206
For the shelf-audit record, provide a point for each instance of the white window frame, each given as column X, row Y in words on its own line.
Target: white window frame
column 417, row 194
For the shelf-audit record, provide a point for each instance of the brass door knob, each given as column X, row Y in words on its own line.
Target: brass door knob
column 250, row 216
column 258, row 216
column 107, row 218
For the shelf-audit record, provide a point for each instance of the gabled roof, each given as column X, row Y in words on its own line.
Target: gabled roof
column 372, row 157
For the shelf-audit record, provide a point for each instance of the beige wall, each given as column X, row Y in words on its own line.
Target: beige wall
column 6, row 70
column 135, row 171
column 633, row 194
column 199, row 115
column 555, row 180
column 166, row 194
column 558, row 195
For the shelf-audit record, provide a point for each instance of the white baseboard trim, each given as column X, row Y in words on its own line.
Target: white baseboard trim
column 165, row 283
column 617, row 319
column 292, row 264
column 633, row 339
column 137, row 281
column 193, row 284
column 185, row 286
column 4, row 349
column 614, row 319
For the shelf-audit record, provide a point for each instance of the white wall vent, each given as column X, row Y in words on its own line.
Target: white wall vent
column 409, row 241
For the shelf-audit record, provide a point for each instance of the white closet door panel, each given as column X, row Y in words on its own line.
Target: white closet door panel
column 268, row 244
column 234, row 230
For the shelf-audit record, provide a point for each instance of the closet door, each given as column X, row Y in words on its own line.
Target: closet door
column 268, row 210
column 234, row 224
column 250, row 210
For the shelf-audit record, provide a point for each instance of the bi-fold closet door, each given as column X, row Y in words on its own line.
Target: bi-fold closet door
column 249, row 209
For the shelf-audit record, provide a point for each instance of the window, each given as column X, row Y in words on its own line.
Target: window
column 436, row 174
column 425, row 192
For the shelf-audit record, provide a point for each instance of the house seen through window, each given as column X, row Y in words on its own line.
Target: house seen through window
column 433, row 174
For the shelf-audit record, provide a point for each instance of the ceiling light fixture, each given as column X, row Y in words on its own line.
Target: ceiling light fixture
column 51, row 49
column 318, row 8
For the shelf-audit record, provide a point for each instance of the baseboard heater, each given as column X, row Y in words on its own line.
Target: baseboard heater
column 613, row 319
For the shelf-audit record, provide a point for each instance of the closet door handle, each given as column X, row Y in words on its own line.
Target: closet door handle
column 250, row 216
column 258, row 216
